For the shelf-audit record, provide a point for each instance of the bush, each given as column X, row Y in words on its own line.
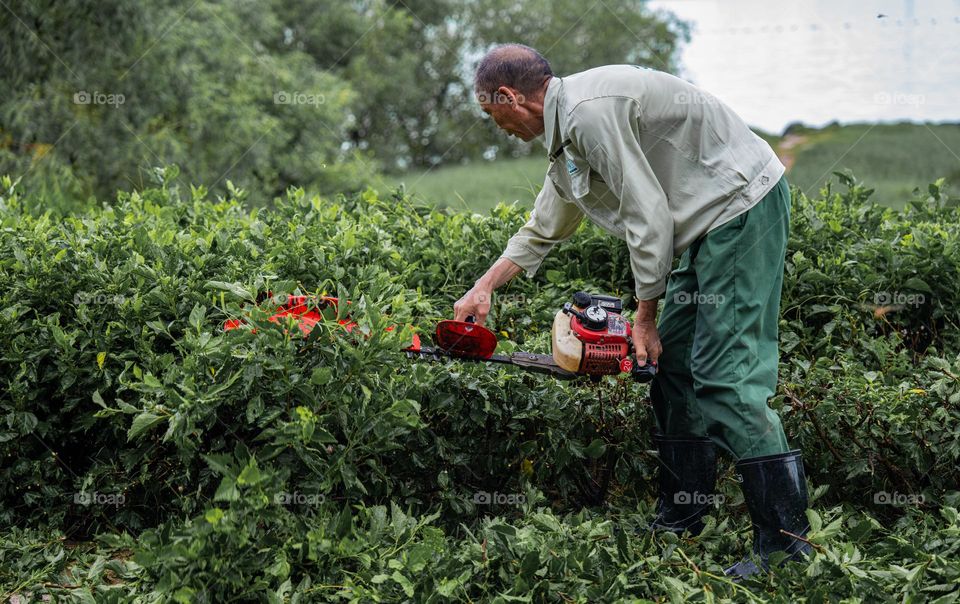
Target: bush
column 150, row 454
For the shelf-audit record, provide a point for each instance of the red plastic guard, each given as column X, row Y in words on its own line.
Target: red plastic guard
column 462, row 339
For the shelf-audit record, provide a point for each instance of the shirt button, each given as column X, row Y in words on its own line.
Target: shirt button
column 764, row 180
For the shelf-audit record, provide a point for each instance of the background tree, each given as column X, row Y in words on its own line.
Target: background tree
column 269, row 94
column 91, row 105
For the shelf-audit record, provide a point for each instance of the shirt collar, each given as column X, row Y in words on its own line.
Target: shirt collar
column 551, row 134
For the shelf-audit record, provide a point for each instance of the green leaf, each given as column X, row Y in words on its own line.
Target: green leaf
column 555, row 276
column 142, row 423
column 184, row 595
column 418, row 557
column 321, row 376
column 227, row 491
column 530, row 563
column 320, row 435
column 214, row 516
column 220, row 464
column 918, row 284
column 234, row 288
column 504, row 529
column 404, row 583
column 196, row 317
column 280, row 567
column 250, row 474
column 596, row 448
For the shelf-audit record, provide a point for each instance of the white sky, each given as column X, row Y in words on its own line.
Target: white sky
column 817, row 61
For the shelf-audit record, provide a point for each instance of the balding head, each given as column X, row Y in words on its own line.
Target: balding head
column 513, row 65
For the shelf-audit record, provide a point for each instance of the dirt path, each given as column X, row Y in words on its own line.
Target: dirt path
column 786, row 149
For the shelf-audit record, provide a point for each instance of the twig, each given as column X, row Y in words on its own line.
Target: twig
column 819, row 548
column 948, row 374
column 696, row 568
column 816, row 424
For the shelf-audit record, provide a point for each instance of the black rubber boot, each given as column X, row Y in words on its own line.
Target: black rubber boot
column 688, row 475
column 775, row 491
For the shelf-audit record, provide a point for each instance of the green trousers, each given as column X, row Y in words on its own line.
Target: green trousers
column 718, row 329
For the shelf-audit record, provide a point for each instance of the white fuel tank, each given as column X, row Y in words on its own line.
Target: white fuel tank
column 567, row 348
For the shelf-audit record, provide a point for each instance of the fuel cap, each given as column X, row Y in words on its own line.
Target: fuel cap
column 582, row 299
column 596, row 318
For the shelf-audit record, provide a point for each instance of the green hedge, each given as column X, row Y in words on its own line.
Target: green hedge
column 203, row 465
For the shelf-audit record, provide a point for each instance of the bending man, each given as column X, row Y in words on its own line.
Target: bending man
column 671, row 171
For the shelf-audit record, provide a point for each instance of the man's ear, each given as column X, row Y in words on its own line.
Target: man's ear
column 509, row 96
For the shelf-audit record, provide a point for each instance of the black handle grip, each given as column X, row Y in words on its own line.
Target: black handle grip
column 644, row 374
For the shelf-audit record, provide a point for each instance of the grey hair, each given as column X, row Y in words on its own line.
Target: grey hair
column 514, row 65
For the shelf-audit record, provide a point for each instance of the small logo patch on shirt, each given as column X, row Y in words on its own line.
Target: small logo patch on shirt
column 572, row 167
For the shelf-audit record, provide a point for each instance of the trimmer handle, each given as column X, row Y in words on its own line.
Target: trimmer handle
column 644, row 374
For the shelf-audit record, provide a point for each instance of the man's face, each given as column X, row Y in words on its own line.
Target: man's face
column 512, row 113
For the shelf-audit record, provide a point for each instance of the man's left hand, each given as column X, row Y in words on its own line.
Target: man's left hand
column 646, row 342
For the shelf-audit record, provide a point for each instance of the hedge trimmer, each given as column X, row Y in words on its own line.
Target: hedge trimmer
column 590, row 337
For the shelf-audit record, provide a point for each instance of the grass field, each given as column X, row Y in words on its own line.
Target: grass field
column 893, row 158
column 478, row 186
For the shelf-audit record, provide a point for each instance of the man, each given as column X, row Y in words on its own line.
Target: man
column 672, row 171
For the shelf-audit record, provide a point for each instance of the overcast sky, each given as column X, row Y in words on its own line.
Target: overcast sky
column 817, row 61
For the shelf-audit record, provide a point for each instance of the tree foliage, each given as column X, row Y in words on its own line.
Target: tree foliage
column 272, row 94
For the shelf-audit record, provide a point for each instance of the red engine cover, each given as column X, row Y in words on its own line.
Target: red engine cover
column 603, row 350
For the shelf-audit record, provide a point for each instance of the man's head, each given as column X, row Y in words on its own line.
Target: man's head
column 510, row 84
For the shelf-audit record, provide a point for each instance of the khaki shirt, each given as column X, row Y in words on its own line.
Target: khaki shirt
column 649, row 158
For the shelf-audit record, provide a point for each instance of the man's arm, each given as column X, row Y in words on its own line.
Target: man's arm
column 477, row 301
column 606, row 132
column 552, row 220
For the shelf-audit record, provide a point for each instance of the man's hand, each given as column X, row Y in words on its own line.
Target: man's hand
column 475, row 302
column 646, row 340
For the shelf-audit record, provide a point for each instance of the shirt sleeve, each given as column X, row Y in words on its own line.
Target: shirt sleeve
column 606, row 131
column 552, row 220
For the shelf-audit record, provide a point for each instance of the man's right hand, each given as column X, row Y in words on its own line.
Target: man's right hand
column 475, row 302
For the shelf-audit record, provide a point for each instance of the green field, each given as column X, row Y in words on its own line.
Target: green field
column 478, row 186
column 893, row 158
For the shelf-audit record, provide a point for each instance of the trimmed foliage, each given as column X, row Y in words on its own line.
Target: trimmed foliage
column 151, row 456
